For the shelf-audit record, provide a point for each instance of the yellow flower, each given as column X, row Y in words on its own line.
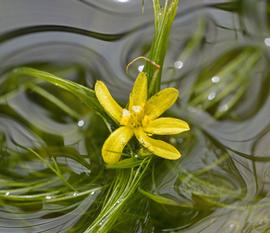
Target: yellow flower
column 140, row 119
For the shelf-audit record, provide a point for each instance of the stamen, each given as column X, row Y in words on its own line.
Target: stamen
column 125, row 117
column 136, row 108
column 125, row 113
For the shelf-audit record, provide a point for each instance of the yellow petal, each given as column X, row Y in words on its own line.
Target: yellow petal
column 138, row 95
column 166, row 126
column 160, row 102
column 157, row 147
column 107, row 101
column 115, row 143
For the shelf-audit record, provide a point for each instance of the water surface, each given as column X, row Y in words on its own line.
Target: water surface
column 222, row 182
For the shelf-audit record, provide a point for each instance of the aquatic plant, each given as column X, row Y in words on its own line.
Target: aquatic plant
column 53, row 126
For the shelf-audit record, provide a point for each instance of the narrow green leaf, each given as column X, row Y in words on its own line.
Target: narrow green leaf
column 85, row 95
column 164, row 17
column 159, row 199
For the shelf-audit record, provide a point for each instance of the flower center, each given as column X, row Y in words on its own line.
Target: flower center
column 133, row 118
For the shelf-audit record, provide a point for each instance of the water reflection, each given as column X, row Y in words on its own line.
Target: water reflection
column 220, row 184
column 122, row 1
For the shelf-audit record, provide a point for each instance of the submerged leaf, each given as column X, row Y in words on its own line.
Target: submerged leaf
column 159, row 199
column 86, row 95
column 220, row 86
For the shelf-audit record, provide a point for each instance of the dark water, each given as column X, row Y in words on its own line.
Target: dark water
column 222, row 182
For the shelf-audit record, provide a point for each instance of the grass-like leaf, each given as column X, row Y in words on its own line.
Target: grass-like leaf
column 84, row 94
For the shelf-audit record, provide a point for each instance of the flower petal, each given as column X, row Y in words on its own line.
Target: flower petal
column 107, row 101
column 166, row 126
column 115, row 143
column 160, row 102
column 157, row 147
column 138, row 95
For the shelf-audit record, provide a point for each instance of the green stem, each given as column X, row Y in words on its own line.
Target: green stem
column 163, row 21
column 123, row 187
column 127, row 181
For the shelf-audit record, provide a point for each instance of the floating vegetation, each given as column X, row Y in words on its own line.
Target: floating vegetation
column 58, row 171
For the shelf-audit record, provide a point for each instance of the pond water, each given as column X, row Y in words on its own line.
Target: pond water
column 52, row 178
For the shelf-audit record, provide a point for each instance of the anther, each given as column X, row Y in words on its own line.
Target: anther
column 125, row 113
column 136, row 108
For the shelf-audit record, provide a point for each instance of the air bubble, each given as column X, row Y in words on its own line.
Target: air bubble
column 231, row 225
column 224, row 107
column 140, row 68
column 211, row 96
column 81, row 123
column 267, row 41
column 178, row 65
column 75, row 194
column 215, row 79
column 48, row 197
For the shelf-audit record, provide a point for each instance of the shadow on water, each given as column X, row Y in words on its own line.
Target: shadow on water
column 52, row 177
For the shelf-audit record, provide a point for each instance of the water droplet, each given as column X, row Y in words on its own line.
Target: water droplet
column 75, row 194
column 101, row 222
column 267, row 41
column 48, row 197
column 211, row 96
column 231, row 226
column 178, row 65
column 215, row 79
column 224, row 107
column 81, row 123
column 92, row 193
column 140, row 68
column 7, row 193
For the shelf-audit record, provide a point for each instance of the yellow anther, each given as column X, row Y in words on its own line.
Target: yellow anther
column 136, row 109
column 125, row 113
column 125, row 117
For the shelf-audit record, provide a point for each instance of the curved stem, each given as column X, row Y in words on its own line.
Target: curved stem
column 124, row 186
